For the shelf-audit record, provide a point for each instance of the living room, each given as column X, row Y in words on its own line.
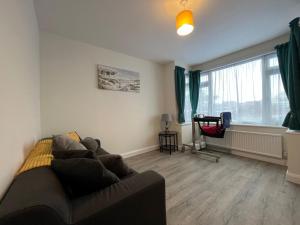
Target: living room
column 175, row 112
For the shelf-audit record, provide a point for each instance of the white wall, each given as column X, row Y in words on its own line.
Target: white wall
column 70, row 98
column 19, row 85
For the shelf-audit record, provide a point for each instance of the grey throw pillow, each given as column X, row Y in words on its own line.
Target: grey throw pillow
column 63, row 142
column 94, row 145
column 90, row 144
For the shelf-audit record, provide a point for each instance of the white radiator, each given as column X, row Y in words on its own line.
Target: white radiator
column 252, row 142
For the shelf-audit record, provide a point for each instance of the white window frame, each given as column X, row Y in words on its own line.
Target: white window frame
column 267, row 72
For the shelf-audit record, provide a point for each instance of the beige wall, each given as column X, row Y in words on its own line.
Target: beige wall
column 19, row 85
column 70, row 99
column 293, row 172
column 169, row 93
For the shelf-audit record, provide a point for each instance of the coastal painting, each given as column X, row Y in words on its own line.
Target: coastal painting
column 115, row 79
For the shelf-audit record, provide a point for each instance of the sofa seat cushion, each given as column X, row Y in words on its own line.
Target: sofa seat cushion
column 137, row 200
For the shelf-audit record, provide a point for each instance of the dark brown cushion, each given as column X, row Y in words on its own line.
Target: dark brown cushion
column 82, row 176
column 68, row 154
column 115, row 164
column 90, row 143
column 101, row 151
column 94, row 145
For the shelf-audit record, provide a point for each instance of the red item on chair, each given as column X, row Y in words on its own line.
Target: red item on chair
column 213, row 131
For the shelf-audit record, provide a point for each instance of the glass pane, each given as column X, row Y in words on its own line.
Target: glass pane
column 273, row 62
column 238, row 89
column 203, row 95
column 203, row 78
column 279, row 101
column 187, row 104
column 203, row 101
column 187, row 80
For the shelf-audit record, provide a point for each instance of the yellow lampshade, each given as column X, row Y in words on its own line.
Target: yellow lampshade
column 184, row 23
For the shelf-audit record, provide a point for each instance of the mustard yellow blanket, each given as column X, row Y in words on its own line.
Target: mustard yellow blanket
column 41, row 154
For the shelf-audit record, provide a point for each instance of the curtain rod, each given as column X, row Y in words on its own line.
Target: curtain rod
column 241, row 61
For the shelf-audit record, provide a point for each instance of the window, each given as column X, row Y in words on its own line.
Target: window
column 252, row 91
column 187, row 103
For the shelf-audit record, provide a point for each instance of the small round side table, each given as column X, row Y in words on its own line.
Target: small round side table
column 168, row 140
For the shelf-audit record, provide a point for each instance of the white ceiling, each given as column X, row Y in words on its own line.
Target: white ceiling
column 146, row 28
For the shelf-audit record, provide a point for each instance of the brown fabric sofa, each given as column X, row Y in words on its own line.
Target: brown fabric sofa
column 37, row 197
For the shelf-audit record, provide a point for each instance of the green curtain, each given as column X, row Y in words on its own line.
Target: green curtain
column 289, row 64
column 282, row 54
column 294, row 75
column 180, row 92
column 194, row 86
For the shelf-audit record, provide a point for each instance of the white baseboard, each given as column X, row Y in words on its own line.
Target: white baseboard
column 264, row 158
column 140, row 151
column 292, row 177
column 281, row 162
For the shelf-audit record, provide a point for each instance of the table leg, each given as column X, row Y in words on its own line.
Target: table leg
column 176, row 142
column 160, row 143
column 170, row 144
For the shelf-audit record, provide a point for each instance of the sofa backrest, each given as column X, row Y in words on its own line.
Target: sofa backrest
column 36, row 190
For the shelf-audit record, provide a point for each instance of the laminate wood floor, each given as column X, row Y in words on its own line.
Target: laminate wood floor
column 235, row 191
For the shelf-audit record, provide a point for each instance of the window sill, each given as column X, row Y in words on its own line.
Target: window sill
column 241, row 125
column 183, row 124
column 293, row 132
column 258, row 125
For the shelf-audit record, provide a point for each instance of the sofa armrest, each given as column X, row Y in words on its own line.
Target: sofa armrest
column 137, row 200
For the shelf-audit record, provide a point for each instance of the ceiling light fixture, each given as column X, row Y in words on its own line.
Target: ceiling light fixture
column 184, row 20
